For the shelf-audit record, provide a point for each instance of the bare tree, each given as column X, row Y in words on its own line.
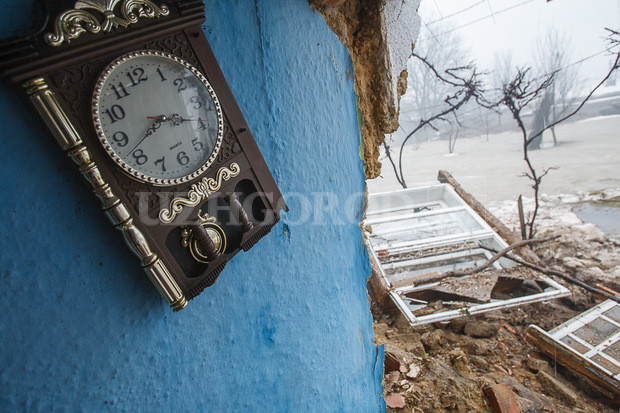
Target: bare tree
column 464, row 85
column 553, row 55
column 541, row 116
column 453, row 134
column 523, row 90
column 504, row 69
column 515, row 95
column 443, row 50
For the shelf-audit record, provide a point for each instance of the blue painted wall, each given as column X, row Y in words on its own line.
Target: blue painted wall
column 286, row 328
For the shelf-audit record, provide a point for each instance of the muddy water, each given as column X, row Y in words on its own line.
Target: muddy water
column 493, row 169
column 604, row 216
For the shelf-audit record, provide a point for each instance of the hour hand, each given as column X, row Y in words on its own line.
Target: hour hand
column 175, row 119
column 156, row 125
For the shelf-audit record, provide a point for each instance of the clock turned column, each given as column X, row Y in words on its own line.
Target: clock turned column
column 205, row 242
column 239, row 212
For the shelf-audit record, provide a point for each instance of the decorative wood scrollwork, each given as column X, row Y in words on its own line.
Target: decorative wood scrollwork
column 72, row 23
column 230, row 146
column 198, row 192
column 72, row 86
column 176, row 44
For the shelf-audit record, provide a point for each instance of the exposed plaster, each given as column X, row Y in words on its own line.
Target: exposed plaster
column 380, row 36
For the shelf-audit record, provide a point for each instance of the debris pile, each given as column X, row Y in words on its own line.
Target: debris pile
column 483, row 362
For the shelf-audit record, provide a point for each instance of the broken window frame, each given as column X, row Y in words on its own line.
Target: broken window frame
column 569, row 328
column 583, row 364
column 444, row 201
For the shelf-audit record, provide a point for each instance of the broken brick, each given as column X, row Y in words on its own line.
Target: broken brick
column 395, row 401
column 502, row 399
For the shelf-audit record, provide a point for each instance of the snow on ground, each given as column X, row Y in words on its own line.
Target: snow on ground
column 553, row 208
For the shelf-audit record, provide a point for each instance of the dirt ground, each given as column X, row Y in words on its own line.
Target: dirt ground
column 446, row 367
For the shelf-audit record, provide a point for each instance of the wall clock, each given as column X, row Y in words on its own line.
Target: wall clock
column 131, row 90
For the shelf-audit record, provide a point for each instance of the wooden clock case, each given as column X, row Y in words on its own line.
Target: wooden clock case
column 57, row 68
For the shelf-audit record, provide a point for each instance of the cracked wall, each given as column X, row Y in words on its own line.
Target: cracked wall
column 379, row 35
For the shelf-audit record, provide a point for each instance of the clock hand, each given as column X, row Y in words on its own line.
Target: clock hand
column 164, row 118
column 156, row 125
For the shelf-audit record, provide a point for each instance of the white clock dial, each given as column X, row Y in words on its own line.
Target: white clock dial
column 158, row 117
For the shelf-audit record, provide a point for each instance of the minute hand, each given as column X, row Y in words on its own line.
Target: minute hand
column 149, row 131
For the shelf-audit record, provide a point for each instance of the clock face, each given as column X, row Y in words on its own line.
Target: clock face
column 158, row 117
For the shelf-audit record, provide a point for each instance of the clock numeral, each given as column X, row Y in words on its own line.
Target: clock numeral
column 138, row 76
column 120, row 91
column 182, row 158
column 162, row 161
column 163, row 78
column 202, row 124
column 140, row 156
column 121, row 138
column 116, row 112
column 196, row 101
column 179, row 84
column 197, row 144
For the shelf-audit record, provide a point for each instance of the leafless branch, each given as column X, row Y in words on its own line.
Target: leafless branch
column 388, row 153
column 613, row 42
column 560, row 274
column 484, row 266
column 518, row 94
column 468, row 86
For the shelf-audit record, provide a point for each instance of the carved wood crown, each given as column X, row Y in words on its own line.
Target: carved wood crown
column 70, row 24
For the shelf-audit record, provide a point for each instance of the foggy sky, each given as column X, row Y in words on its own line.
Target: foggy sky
column 524, row 24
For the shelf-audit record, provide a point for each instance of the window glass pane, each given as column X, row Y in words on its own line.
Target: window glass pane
column 606, row 364
column 613, row 351
column 574, row 344
column 596, row 331
column 613, row 313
